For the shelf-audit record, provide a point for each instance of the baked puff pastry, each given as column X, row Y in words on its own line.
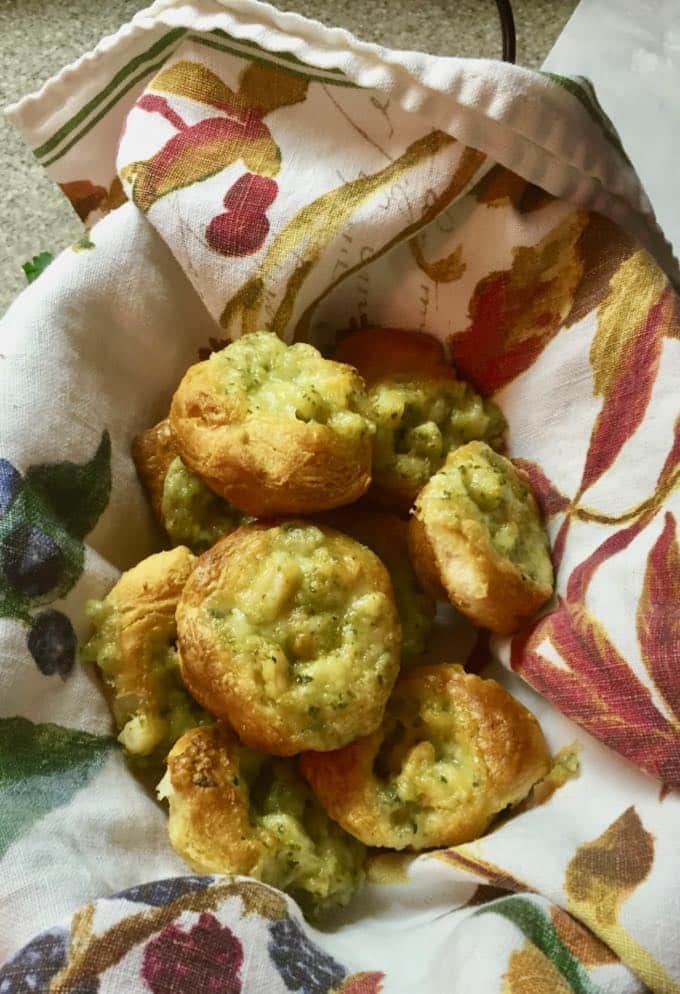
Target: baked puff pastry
column 477, row 538
column 453, row 751
column 189, row 511
column 421, row 410
column 387, row 535
column 233, row 810
column 275, row 429
column 290, row 633
column 133, row 644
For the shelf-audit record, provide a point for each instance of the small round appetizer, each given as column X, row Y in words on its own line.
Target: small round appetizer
column 189, row 511
column 275, row 429
column 193, row 514
column 233, row 810
column 477, row 537
column 133, row 644
column 152, row 451
column 453, row 751
column 421, row 410
column 387, row 535
column 290, row 633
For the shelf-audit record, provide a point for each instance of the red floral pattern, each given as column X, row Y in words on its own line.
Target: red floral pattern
column 206, row 958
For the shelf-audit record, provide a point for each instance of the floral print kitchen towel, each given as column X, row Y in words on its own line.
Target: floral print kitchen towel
column 241, row 168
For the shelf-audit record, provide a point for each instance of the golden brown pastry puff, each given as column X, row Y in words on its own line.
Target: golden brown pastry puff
column 273, row 428
column 133, row 644
column 477, row 536
column 387, row 535
column 234, row 810
column 453, row 751
column 421, row 410
column 290, row 633
column 189, row 511
column 153, row 451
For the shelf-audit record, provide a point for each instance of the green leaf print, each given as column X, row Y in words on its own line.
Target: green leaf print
column 39, row 560
column 44, row 517
column 42, row 767
column 37, row 265
column 537, row 927
column 582, row 89
column 83, row 243
column 77, row 493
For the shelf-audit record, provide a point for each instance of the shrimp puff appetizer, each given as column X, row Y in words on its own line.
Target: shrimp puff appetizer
column 453, row 751
column 273, row 428
column 477, row 537
column 421, row 410
column 290, row 633
column 133, row 644
column 189, row 511
column 233, row 810
column 387, row 535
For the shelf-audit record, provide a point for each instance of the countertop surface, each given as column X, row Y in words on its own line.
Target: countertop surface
column 37, row 38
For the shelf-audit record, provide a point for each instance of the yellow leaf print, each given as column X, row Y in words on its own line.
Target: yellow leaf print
column 633, row 290
column 448, row 269
column 262, row 87
column 205, row 148
column 470, row 161
column 580, row 941
column 603, row 246
column 514, row 313
column 197, row 82
column 531, row 972
column 308, row 233
column 268, row 88
column 600, row 877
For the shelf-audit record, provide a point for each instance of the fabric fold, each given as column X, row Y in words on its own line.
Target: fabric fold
column 281, row 174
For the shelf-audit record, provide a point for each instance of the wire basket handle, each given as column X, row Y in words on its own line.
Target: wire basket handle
column 508, row 30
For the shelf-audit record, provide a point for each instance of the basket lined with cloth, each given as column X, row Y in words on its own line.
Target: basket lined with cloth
column 240, row 168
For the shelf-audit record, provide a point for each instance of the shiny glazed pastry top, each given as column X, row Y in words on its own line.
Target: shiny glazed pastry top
column 290, row 633
column 275, row 429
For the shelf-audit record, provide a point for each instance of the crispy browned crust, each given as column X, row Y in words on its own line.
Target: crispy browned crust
column 423, row 561
column 211, row 671
column 484, row 586
column 153, row 451
column 385, row 533
column 381, row 353
column 209, row 824
column 505, row 738
column 146, row 597
column 265, row 465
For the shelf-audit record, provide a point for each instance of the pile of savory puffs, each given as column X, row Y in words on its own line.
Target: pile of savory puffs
column 269, row 667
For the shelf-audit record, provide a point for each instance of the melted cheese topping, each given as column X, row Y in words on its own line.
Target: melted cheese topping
column 480, row 485
column 307, row 627
column 418, row 424
column 271, row 378
column 426, row 764
column 229, row 803
column 307, row 854
column 193, row 515
column 132, row 643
